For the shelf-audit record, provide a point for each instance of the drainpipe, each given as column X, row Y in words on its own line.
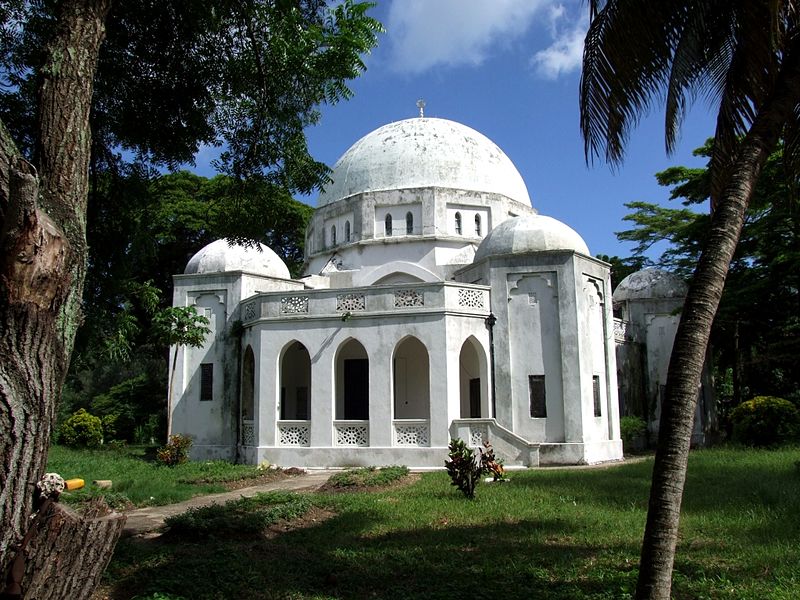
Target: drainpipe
column 490, row 321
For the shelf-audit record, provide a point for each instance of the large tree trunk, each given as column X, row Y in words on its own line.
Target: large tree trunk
column 42, row 262
column 691, row 340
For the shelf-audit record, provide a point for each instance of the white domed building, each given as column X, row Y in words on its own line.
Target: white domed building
column 649, row 303
column 436, row 303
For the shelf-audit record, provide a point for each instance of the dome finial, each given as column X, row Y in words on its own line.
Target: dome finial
column 421, row 107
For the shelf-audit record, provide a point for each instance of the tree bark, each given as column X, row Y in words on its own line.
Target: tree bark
column 68, row 553
column 691, row 340
column 42, row 263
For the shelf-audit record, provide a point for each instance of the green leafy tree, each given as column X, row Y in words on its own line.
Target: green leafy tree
column 757, row 347
column 136, row 243
column 745, row 56
column 80, row 80
column 622, row 267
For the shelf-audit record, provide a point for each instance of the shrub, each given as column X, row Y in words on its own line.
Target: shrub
column 109, row 427
column 240, row 516
column 366, row 477
column 765, row 421
column 81, row 429
column 463, row 467
column 176, row 450
column 491, row 464
column 631, row 429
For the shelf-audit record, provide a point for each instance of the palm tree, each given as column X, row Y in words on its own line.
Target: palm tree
column 743, row 56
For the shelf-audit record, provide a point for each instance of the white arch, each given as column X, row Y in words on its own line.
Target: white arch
column 397, row 266
column 473, row 379
column 295, row 382
column 351, row 382
column 411, row 379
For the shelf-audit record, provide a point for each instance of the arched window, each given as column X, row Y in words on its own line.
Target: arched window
column 347, row 231
column 478, row 225
column 458, row 223
column 388, row 225
column 409, row 223
column 333, row 235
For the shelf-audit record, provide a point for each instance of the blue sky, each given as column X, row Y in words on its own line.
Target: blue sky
column 509, row 69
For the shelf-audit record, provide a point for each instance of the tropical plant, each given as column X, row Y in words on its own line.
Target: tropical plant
column 745, row 57
column 463, row 467
column 490, row 464
column 175, row 451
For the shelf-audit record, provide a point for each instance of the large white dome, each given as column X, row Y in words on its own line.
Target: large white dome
column 424, row 152
column 534, row 233
column 221, row 256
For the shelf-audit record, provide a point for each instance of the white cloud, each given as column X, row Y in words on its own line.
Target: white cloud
column 426, row 33
column 565, row 54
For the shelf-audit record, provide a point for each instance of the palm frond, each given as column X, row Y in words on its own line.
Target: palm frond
column 624, row 72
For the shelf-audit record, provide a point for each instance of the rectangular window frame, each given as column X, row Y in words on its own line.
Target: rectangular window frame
column 206, row 382
column 537, row 396
column 598, row 405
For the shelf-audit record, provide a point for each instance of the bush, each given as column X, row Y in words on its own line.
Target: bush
column 631, row 429
column 176, row 451
column 491, row 464
column 765, row 421
column 366, row 477
column 81, row 430
column 463, row 467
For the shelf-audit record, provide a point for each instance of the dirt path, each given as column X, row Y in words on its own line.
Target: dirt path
column 151, row 518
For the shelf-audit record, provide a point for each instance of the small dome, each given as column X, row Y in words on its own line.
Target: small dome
column 424, row 152
column 650, row 284
column 534, row 233
column 220, row 256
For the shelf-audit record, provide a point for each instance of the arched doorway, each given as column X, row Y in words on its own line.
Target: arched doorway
column 295, row 401
column 352, row 382
column 411, row 367
column 247, row 401
column 473, row 379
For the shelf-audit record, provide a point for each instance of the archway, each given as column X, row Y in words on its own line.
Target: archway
column 352, row 382
column 411, row 367
column 247, row 400
column 295, row 402
column 473, row 380
column 248, row 385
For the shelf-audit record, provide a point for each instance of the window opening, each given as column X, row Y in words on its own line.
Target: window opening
column 596, row 391
column 333, row 235
column 347, row 231
column 537, row 396
column 206, row 381
column 478, row 225
column 409, row 223
column 388, row 225
column 458, row 223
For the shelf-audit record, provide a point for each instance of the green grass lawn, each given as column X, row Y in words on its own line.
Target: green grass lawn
column 552, row 534
column 138, row 479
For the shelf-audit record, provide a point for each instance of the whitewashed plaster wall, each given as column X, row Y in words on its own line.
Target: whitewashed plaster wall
column 212, row 423
column 442, row 335
column 545, row 326
column 433, row 211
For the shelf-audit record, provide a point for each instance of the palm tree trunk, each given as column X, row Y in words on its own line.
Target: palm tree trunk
column 691, row 340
